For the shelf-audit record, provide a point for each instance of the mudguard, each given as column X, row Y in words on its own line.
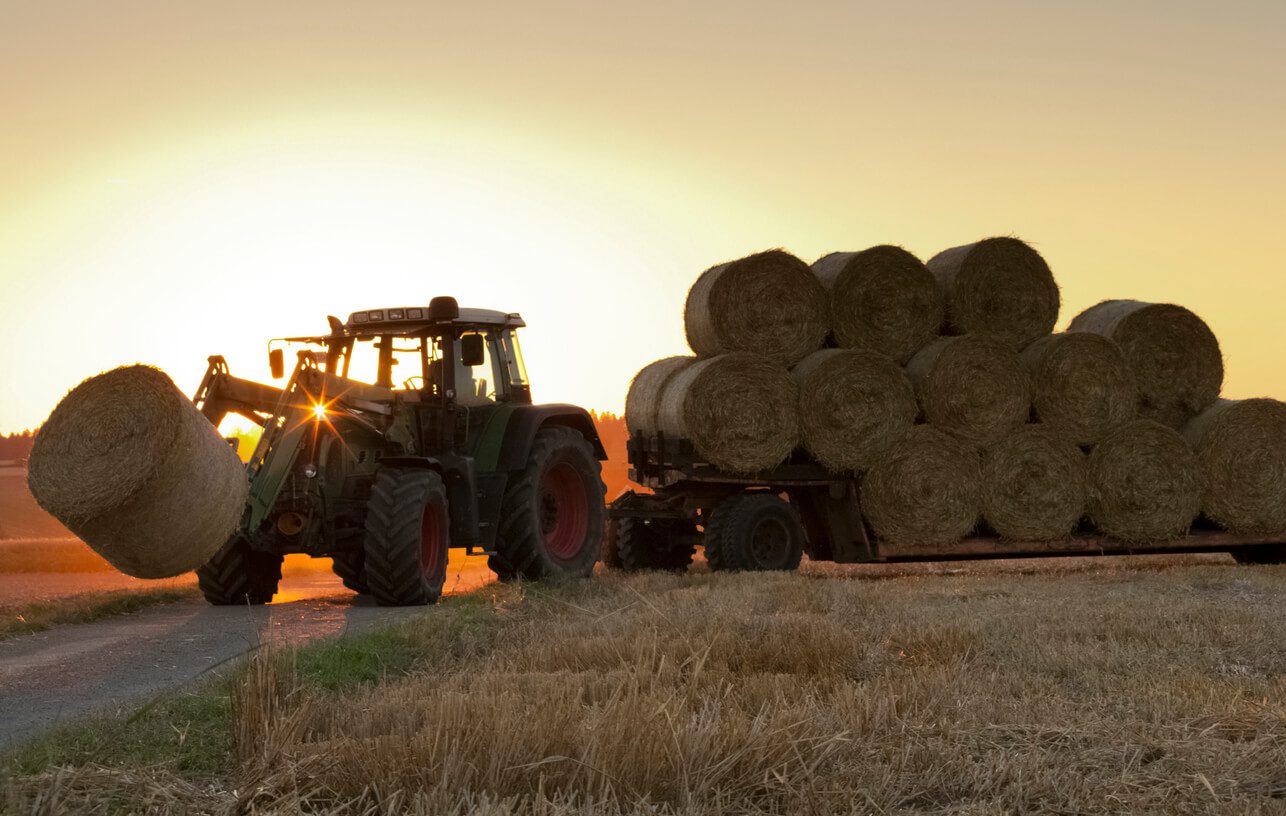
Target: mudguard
column 526, row 420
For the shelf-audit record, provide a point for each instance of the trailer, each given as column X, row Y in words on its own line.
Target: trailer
column 770, row 520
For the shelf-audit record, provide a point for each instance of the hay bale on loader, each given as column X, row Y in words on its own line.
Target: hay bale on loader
column 1081, row 385
column 130, row 466
column 853, row 404
column 1034, row 484
column 1143, row 483
column 738, row 410
column 883, row 299
column 974, row 386
column 769, row 303
column 1173, row 354
column 1241, row 457
column 643, row 400
column 999, row 286
column 926, row 489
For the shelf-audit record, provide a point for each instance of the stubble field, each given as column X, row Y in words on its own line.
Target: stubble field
column 1147, row 685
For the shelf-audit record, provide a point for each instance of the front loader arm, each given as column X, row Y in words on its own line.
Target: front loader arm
column 221, row 394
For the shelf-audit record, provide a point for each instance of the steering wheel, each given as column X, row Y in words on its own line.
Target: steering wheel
column 408, row 384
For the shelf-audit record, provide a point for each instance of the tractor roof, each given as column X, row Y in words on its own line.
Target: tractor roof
column 409, row 318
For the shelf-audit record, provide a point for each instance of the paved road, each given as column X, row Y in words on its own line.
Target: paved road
column 53, row 676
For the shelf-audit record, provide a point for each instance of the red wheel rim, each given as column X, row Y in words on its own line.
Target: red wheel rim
column 564, row 511
column 431, row 542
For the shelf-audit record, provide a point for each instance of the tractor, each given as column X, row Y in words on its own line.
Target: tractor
column 400, row 433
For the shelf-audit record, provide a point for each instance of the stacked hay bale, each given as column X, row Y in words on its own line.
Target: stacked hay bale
column 943, row 389
column 747, row 321
column 131, row 467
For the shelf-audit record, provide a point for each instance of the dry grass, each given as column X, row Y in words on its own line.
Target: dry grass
column 1082, row 686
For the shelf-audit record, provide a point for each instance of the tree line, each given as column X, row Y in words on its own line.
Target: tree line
column 17, row 445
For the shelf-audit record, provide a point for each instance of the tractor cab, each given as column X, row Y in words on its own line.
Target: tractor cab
column 407, row 350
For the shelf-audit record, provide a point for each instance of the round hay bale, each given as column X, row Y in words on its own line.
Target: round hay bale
column 1175, row 357
column 924, row 490
column 134, row 470
column 739, row 411
column 769, row 303
column 1001, row 287
column 974, row 386
column 1143, row 483
column 643, row 400
column 883, row 299
column 1081, row 385
column 1033, row 485
column 1241, row 457
column 853, row 404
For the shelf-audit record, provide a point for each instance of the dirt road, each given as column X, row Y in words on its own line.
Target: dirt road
column 54, row 676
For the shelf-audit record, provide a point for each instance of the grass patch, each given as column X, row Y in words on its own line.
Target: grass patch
column 85, row 608
column 186, row 732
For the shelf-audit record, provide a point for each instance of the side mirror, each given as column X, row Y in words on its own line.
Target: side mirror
column 277, row 363
column 472, row 350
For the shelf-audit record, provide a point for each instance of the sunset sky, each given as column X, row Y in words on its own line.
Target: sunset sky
column 186, row 179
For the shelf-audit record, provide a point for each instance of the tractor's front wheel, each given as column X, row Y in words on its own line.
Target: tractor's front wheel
column 238, row 574
column 350, row 566
column 407, row 534
column 551, row 519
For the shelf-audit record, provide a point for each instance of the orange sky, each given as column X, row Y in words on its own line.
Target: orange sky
column 181, row 179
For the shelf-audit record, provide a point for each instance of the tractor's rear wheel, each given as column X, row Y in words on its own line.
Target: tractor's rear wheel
column 754, row 532
column 407, row 534
column 238, row 574
column 350, row 566
column 551, row 518
column 659, row 544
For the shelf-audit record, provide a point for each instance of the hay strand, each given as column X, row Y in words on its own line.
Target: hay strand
column 130, row 466
column 1033, row 485
column 643, row 400
column 1173, row 354
column 1241, row 457
column 769, row 303
column 1081, row 385
column 853, row 404
column 883, row 299
column 974, row 386
column 1144, row 483
column 924, row 490
column 739, row 411
column 999, row 286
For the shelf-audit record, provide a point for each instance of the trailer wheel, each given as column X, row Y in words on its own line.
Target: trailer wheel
column 551, row 518
column 754, row 532
column 611, row 555
column 407, row 534
column 238, row 574
column 350, row 566
column 658, row 544
column 1270, row 554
